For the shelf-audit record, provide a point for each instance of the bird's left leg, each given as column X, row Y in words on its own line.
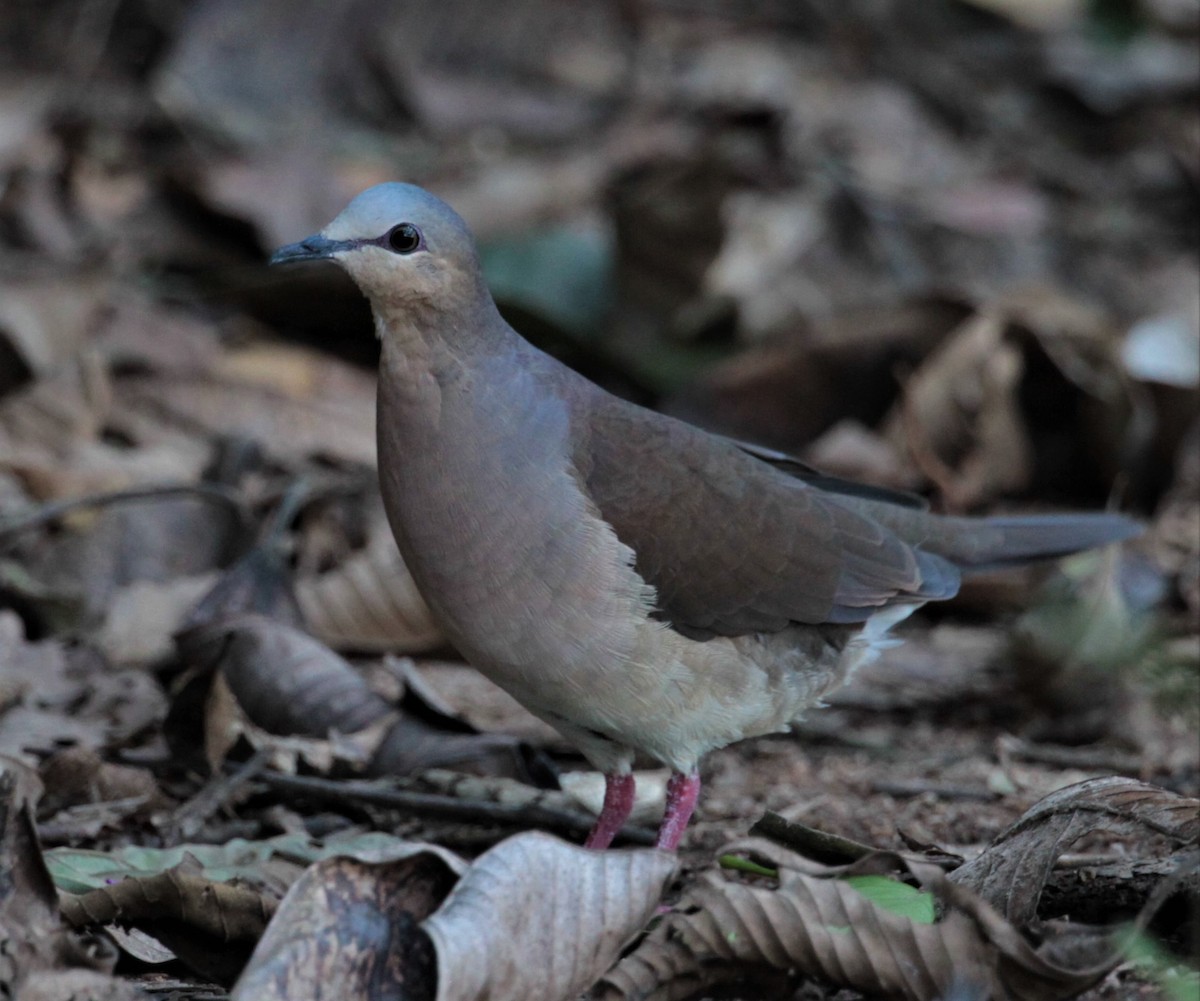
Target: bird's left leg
column 619, row 788
column 682, row 792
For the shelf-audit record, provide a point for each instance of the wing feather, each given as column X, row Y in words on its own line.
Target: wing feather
column 732, row 544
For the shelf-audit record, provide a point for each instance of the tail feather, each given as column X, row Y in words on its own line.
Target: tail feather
column 994, row 543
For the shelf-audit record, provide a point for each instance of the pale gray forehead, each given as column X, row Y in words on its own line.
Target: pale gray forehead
column 378, row 209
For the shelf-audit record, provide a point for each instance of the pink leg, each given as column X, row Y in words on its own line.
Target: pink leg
column 618, row 804
column 682, row 793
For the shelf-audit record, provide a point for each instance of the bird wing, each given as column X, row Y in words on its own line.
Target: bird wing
column 732, row 544
column 832, row 484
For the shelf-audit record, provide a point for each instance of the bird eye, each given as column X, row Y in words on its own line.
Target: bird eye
column 404, row 239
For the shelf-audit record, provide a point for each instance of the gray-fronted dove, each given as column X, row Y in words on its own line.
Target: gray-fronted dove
column 640, row 584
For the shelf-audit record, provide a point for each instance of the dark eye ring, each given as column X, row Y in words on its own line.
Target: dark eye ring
column 404, row 239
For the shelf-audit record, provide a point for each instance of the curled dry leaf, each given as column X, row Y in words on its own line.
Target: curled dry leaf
column 35, row 946
column 227, row 913
column 78, row 775
column 1011, row 873
column 538, row 919
column 212, row 926
column 286, row 683
column 289, row 683
column 813, row 922
column 349, row 930
column 817, row 924
column 960, row 416
column 534, row 919
column 370, row 602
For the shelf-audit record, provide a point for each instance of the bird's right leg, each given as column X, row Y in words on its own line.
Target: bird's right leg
column 618, row 805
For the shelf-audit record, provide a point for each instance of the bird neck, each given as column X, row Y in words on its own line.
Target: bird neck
column 426, row 352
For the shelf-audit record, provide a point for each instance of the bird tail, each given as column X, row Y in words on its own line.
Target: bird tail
column 980, row 544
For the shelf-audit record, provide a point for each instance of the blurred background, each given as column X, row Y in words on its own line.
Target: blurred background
column 949, row 247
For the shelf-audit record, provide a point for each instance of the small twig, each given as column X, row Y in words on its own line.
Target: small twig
column 1085, row 861
column 84, row 820
column 446, row 807
column 1101, row 759
column 51, row 512
column 917, row 787
column 832, row 849
column 294, row 498
column 190, row 816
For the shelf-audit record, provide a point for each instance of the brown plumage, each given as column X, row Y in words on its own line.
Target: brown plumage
column 642, row 585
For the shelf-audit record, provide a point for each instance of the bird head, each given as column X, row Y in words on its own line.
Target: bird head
column 405, row 249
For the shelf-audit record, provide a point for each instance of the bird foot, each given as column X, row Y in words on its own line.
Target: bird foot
column 618, row 805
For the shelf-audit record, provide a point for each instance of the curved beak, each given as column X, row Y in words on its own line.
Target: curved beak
column 315, row 248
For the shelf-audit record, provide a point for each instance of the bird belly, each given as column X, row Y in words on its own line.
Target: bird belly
column 675, row 699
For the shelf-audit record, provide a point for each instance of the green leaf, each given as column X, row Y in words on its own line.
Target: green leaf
column 739, row 864
column 77, row 870
column 896, row 897
column 1179, row 981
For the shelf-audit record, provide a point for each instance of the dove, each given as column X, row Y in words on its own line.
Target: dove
column 644, row 586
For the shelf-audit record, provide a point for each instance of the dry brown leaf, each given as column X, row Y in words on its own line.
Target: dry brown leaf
column 50, row 438
column 290, row 683
column 156, row 535
column 1011, row 873
column 79, row 775
column 534, row 919
column 46, row 418
column 469, row 695
column 816, row 924
column 45, row 703
column 960, row 418
column 813, row 922
column 370, row 602
column 49, row 318
column 224, row 911
column 348, row 931
column 210, row 925
column 328, row 417
column 143, row 616
column 537, row 919
column 135, row 330
column 282, row 682
column 280, row 688
column 34, row 944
